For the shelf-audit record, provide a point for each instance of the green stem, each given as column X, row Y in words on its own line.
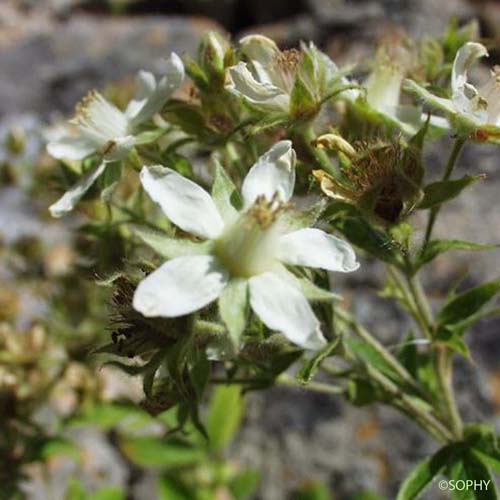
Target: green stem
column 285, row 381
column 320, row 156
column 442, row 358
column 407, row 404
column 380, row 349
column 459, row 143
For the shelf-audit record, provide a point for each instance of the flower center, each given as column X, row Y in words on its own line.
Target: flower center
column 286, row 65
column 248, row 247
column 99, row 120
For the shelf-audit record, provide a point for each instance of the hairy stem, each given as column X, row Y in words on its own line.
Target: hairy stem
column 380, row 349
column 455, row 152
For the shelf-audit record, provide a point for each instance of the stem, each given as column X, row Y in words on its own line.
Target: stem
column 444, row 371
column 443, row 365
column 380, row 349
column 320, row 156
column 286, row 381
column 459, row 143
column 407, row 404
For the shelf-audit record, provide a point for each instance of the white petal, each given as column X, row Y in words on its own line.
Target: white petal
column 180, row 286
column 466, row 57
column 274, row 172
column 118, row 148
column 185, row 203
column 314, row 248
column 282, row 307
column 145, row 86
column 261, row 94
column 174, row 75
column 70, row 147
column 259, row 48
column 69, row 199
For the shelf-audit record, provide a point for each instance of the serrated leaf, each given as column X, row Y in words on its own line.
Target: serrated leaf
column 439, row 192
column 226, row 411
column 170, row 248
column 421, row 475
column 467, row 304
column 225, row 195
column 233, row 307
column 436, row 247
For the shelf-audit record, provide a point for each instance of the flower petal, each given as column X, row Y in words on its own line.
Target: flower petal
column 274, row 172
column 259, row 48
column 180, row 286
column 69, row 199
column 185, row 203
column 72, row 147
column 465, row 58
column 314, row 248
column 261, row 94
column 282, row 307
column 174, row 75
column 145, row 86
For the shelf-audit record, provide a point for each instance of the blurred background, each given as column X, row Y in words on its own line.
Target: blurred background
column 51, row 53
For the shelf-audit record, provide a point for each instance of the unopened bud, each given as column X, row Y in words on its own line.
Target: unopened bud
column 211, row 53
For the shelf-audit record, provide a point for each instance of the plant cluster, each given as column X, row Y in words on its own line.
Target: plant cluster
column 224, row 196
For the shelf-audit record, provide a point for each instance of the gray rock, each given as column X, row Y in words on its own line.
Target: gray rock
column 67, row 59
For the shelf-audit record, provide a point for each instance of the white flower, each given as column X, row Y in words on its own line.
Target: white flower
column 383, row 89
column 246, row 251
column 99, row 127
column 266, row 82
column 469, row 108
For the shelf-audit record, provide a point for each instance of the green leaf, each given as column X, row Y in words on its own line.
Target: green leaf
column 370, row 356
column 349, row 221
column 105, row 416
column 172, row 488
column 225, row 195
column 244, row 485
column 150, row 451
column 233, row 308
column 268, row 122
column 463, row 306
column 439, row 192
column 420, row 477
column 437, row 247
column 468, row 472
column 226, row 411
column 169, row 248
column 302, row 101
column 307, row 372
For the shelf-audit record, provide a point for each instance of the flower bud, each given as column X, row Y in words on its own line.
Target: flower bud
column 211, row 54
